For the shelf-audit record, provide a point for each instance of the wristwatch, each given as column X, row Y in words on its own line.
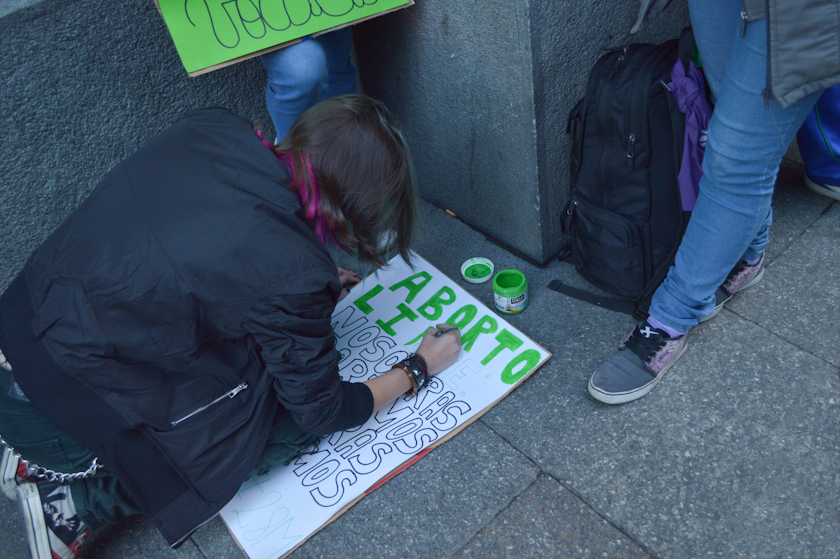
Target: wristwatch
column 416, row 373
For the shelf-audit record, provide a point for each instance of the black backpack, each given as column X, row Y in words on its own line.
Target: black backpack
column 624, row 214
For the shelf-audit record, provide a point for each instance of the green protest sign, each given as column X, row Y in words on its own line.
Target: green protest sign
column 211, row 34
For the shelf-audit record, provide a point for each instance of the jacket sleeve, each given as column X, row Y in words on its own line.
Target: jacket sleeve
column 295, row 334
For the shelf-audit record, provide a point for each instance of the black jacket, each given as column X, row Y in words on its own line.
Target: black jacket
column 185, row 277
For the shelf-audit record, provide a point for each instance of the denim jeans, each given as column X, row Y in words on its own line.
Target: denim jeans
column 103, row 498
column 98, row 499
column 305, row 74
column 746, row 142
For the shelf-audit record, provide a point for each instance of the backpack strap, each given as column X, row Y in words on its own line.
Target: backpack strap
column 617, row 305
column 686, row 46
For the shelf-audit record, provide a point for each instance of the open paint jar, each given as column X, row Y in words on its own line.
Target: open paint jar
column 510, row 291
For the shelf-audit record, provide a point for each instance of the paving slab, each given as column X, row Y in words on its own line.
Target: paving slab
column 549, row 521
column 449, row 495
column 434, row 507
column 795, row 208
column 12, row 540
column 135, row 537
column 735, row 453
column 799, row 298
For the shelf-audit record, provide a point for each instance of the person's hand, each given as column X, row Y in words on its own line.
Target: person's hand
column 440, row 352
column 348, row 279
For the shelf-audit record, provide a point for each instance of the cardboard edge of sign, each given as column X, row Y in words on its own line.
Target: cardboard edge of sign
column 233, row 61
column 413, row 459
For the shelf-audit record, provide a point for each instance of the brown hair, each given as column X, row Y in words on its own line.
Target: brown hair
column 352, row 167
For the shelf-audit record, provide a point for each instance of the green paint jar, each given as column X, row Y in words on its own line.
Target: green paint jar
column 510, row 291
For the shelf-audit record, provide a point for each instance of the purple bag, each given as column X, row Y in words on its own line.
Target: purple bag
column 690, row 92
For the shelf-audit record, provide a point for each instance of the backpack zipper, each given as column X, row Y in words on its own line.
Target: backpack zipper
column 631, row 145
column 605, row 188
column 228, row 394
column 640, row 97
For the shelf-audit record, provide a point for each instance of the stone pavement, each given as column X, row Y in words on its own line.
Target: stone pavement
column 736, row 453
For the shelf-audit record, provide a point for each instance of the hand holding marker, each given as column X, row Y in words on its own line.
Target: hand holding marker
column 440, row 347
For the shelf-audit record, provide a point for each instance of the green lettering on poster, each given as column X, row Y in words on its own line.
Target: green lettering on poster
column 362, row 302
column 423, row 333
column 414, row 284
column 528, row 358
column 207, row 33
column 433, row 308
column 485, row 325
column 462, row 316
column 405, row 312
column 506, row 341
column 460, row 319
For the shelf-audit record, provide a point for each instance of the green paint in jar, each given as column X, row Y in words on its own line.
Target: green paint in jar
column 510, row 291
column 477, row 270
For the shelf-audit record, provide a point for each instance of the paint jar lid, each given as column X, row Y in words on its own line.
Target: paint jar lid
column 477, row 270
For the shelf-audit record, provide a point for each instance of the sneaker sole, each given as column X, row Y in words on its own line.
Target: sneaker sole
column 8, row 472
column 624, row 397
column 829, row 191
column 29, row 504
column 719, row 308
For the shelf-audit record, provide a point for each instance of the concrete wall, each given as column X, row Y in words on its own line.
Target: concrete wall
column 483, row 97
column 460, row 81
column 483, row 89
column 85, row 83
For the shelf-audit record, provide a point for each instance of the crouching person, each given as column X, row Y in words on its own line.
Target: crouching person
column 174, row 332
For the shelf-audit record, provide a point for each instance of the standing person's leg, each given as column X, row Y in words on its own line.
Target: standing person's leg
column 731, row 219
column 341, row 74
column 305, row 74
column 819, row 144
column 746, row 141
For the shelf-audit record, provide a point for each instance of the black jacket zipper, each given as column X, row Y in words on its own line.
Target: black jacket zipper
column 229, row 394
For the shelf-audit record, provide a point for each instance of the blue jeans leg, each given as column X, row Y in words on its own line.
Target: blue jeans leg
column 305, row 74
column 746, row 143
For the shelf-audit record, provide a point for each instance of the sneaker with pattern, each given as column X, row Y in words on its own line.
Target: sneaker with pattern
column 636, row 366
column 53, row 529
column 13, row 472
column 742, row 276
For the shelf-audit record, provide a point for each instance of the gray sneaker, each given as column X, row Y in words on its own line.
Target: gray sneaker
column 741, row 277
column 636, row 366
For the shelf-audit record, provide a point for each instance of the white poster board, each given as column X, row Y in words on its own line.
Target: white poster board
column 378, row 324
